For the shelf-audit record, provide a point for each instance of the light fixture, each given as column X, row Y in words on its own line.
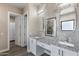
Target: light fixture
column 39, row 12
column 63, row 5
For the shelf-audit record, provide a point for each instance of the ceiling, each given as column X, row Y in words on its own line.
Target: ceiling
column 23, row 5
column 18, row 5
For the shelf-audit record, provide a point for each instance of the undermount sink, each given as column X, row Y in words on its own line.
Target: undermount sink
column 36, row 37
column 66, row 43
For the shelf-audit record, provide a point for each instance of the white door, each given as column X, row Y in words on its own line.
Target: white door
column 23, row 31
column 18, row 30
column 33, row 46
column 20, row 24
column 69, row 53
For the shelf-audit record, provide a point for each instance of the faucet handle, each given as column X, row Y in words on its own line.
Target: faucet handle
column 69, row 39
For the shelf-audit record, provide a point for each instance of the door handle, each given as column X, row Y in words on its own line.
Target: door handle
column 62, row 53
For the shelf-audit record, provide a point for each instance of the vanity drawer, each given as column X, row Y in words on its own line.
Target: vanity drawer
column 43, row 45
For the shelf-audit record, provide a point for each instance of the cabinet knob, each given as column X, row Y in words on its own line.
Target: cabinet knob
column 59, row 51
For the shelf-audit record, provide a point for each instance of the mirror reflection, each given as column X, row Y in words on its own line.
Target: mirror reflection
column 50, row 27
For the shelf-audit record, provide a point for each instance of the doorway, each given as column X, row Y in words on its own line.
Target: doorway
column 11, row 29
column 12, row 32
column 17, row 33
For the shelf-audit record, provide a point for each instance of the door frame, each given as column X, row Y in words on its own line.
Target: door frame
column 9, row 13
column 28, row 45
column 26, row 24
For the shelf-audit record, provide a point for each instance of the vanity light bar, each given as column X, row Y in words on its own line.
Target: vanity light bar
column 66, row 5
column 63, row 4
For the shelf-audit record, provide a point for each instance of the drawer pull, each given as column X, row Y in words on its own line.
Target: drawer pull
column 59, row 51
column 62, row 53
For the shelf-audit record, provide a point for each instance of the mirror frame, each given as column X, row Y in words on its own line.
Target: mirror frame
column 74, row 24
column 54, row 27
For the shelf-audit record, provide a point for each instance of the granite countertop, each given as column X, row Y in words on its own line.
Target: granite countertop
column 54, row 41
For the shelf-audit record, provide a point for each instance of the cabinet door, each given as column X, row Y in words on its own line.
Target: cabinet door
column 55, row 51
column 69, row 53
column 33, row 46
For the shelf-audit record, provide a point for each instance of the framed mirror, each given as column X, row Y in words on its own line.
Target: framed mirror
column 68, row 25
column 50, row 28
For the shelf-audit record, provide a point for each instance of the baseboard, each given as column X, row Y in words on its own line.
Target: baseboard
column 3, row 50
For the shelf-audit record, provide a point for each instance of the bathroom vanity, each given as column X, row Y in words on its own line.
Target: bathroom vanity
column 59, row 33
column 38, row 46
column 52, row 44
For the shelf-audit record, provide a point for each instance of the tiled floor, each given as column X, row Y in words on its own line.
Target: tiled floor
column 17, row 51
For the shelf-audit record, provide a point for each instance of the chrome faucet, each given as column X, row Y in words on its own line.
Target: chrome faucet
column 67, row 39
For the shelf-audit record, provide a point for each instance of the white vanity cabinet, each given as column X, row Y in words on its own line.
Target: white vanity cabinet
column 33, row 46
column 57, row 51
column 66, row 52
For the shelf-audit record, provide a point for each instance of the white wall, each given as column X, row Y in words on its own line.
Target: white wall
column 4, row 24
column 12, row 31
column 34, row 24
